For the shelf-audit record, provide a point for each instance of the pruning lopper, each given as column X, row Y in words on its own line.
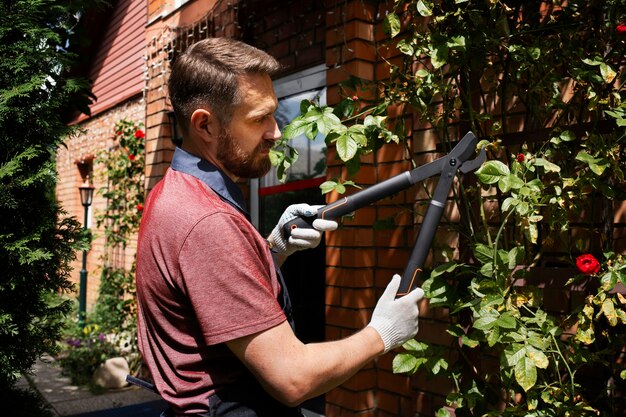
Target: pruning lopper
column 446, row 167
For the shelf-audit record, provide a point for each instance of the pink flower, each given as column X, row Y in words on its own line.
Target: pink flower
column 588, row 264
column 139, row 134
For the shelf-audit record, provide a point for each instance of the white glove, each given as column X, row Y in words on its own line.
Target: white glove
column 301, row 238
column 396, row 320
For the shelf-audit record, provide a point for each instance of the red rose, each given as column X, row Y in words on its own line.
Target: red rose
column 139, row 134
column 520, row 157
column 131, row 156
column 621, row 29
column 139, row 207
column 588, row 264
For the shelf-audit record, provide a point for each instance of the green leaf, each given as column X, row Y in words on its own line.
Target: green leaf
column 491, row 172
column 509, row 203
column 406, row 47
column 392, row 24
column 609, row 280
column 297, row 127
column 538, row 358
column 514, row 353
column 415, row 346
column 608, row 309
column 493, row 336
column 443, row 412
column 510, row 182
column 547, row 165
column 506, row 321
column 594, row 62
column 328, row 186
column 471, row 343
column 608, row 73
column 404, row 363
column 424, row 8
column 444, row 268
column 567, row 136
column 357, row 134
column 439, row 55
column 346, row 147
column 485, row 323
column 483, row 253
column 525, row 373
column 597, row 165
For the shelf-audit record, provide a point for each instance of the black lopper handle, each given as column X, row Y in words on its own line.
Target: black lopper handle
column 353, row 202
column 410, row 276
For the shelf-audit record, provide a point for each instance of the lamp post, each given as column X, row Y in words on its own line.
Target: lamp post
column 86, row 197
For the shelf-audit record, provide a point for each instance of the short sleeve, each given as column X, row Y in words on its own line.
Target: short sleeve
column 229, row 277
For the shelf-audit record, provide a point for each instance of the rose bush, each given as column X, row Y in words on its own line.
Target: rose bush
column 547, row 200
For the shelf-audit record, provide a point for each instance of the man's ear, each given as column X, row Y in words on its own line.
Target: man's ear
column 204, row 125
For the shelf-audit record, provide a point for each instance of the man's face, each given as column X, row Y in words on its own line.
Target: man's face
column 244, row 145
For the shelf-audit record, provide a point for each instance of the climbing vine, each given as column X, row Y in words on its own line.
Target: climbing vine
column 116, row 307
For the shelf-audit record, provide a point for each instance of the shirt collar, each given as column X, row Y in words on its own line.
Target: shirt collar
column 208, row 173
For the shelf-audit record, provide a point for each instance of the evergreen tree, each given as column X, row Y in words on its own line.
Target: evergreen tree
column 37, row 240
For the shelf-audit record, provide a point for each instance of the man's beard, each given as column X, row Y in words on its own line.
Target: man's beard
column 238, row 162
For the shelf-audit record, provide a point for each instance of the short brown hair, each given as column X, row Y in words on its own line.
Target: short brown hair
column 206, row 75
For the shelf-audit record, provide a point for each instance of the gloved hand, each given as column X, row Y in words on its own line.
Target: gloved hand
column 396, row 320
column 301, row 238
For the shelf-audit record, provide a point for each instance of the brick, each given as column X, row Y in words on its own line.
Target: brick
column 401, row 217
column 347, row 318
column 394, row 258
column 310, row 56
column 358, row 68
column 358, row 257
column 363, row 380
column 352, row 30
column 434, row 332
column 366, row 175
column 353, row 278
column 389, row 403
column 332, row 333
column 396, row 238
column 362, row 217
column 352, row 400
column 358, row 298
column 390, row 170
column 351, row 236
column 333, row 296
column 394, row 382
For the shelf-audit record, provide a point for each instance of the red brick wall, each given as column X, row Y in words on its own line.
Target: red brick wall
column 96, row 136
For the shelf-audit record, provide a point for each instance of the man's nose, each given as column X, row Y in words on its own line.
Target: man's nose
column 274, row 133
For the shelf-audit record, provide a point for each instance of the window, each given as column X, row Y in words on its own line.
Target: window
column 304, row 271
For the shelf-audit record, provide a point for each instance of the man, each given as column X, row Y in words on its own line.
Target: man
column 214, row 314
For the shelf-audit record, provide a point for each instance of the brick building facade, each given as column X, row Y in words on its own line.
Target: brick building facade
column 343, row 38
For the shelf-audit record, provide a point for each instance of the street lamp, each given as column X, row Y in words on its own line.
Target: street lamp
column 86, row 198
